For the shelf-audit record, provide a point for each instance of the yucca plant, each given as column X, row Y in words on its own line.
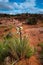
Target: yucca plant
column 19, row 49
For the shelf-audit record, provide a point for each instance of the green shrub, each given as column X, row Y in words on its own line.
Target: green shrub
column 3, row 51
column 17, row 48
column 31, row 21
column 41, row 45
column 20, row 49
column 41, row 53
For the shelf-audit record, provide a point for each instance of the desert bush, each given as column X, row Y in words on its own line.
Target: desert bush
column 31, row 21
column 3, row 51
column 16, row 47
column 20, row 49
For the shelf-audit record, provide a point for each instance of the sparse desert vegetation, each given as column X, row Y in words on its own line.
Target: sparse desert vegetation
column 21, row 39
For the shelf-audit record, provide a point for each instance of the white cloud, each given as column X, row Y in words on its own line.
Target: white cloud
column 5, row 6
column 40, row 11
column 18, row 6
column 26, row 6
column 4, row 0
column 36, row 10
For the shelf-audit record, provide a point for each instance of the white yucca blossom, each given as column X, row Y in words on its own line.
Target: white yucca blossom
column 18, row 29
column 21, row 28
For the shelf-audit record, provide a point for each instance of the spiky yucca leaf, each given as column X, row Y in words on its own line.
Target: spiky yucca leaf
column 18, row 49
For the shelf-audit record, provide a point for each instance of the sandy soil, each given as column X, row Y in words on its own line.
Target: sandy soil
column 35, row 34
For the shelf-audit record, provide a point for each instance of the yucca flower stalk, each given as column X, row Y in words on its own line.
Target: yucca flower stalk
column 19, row 31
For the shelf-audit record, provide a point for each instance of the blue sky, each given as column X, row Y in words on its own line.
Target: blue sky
column 21, row 6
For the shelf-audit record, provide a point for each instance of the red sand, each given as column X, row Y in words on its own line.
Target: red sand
column 32, row 61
